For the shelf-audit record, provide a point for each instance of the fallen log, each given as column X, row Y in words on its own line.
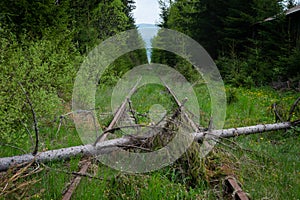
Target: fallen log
column 64, row 153
column 232, row 132
column 111, row 145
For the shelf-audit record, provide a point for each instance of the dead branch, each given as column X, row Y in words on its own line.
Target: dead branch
column 10, row 185
column 180, row 105
column 133, row 113
column 116, row 118
column 86, row 164
column 59, row 125
column 231, row 186
column 112, row 130
column 77, row 111
column 277, row 116
column 72, row 173
column 76, row 181
column 293, row 109
column 118, row 113
column 36, row 129
column 233, row 132
column 135, row 147
column 171, row 120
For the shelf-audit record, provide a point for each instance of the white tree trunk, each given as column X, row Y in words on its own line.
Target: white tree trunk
column 111, row 145
column 232, row 132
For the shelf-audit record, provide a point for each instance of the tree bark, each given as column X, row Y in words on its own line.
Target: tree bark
column 232, row 132
column 112, row 145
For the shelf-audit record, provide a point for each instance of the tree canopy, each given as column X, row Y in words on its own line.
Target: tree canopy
column 43, row 43
column 248, row 50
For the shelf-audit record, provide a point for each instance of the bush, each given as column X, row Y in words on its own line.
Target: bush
column 235, row 72
column 46, row 69
column 290, row 65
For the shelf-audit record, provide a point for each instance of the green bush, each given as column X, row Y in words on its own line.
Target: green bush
column 290, row 65
column 46, row 69
column 234, row 72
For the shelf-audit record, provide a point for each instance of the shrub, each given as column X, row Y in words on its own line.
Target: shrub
column 46, row 69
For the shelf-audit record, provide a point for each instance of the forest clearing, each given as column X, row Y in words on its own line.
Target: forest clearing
column 229, row 129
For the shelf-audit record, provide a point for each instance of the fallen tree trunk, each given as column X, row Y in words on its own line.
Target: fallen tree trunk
column 111, row 145
column 232, row 132
column 64, row 153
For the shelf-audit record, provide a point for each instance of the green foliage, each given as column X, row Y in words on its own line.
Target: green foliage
column 265, row 164
column 249, row 50
column 46, row 69
column 95, row 21
column 34, row 17
column 290, row 66
column 40, row 45
column 235, row 72
column 170, row 59
column 231, row 95
column 197, row 19
column 122, row 65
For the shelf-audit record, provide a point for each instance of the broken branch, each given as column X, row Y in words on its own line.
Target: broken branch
column 119, row 113
column 36, row 129
column 293, row 108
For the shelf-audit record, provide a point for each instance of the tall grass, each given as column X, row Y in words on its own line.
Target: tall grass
column 267, row 164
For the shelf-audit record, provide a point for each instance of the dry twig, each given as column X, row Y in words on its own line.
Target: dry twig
column 10, row 184
column 293, row 109
column 277, row 115
column 36, row 129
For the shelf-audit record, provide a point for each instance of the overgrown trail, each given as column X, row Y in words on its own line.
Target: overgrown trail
column 141, row 139
column 133, row 141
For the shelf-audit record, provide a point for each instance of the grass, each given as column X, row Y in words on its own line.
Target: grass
column 267, row 164
column 274, row 165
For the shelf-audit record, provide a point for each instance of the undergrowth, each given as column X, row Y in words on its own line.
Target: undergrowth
column 265, row 164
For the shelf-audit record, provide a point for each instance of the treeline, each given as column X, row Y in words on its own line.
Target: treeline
column 42, row 45
column 248, row 49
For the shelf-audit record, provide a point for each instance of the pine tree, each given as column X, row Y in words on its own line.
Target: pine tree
column 34, row 18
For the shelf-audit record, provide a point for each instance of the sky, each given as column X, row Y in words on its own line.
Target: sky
column 146, row 12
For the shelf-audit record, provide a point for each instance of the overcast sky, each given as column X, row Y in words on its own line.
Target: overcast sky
column 146, row 12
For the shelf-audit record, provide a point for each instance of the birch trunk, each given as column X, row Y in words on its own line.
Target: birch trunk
column 111, row 145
